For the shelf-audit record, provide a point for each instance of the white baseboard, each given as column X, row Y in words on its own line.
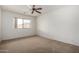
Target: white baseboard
column 19, row 37
column 52, row 38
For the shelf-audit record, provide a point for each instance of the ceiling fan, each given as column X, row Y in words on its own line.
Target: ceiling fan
column 34, row 9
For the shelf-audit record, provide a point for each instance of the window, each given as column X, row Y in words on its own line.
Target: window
column 22, row 23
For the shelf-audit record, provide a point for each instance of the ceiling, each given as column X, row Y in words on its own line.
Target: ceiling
column 26, row 9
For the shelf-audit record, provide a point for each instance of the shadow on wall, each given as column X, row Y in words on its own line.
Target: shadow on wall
column 44, row 34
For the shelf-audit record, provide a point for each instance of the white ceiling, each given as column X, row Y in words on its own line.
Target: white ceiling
column 25, row 8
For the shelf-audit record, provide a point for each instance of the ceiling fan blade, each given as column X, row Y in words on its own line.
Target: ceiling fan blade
column 39, row 8
column 32, row 11
column 38, row 11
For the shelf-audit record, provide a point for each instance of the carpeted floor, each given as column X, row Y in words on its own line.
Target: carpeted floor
column 36, row 44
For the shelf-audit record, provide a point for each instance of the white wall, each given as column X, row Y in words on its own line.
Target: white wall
column 60, row 24
column 8, row 27
column 0, row 25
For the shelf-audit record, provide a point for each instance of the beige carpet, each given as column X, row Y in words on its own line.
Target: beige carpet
column 36, row 44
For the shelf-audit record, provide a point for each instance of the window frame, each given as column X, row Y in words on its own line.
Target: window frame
column 16, row 18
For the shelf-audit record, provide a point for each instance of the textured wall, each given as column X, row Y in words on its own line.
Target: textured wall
column 60, row 24
column 0, row 25
column 8, row 27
